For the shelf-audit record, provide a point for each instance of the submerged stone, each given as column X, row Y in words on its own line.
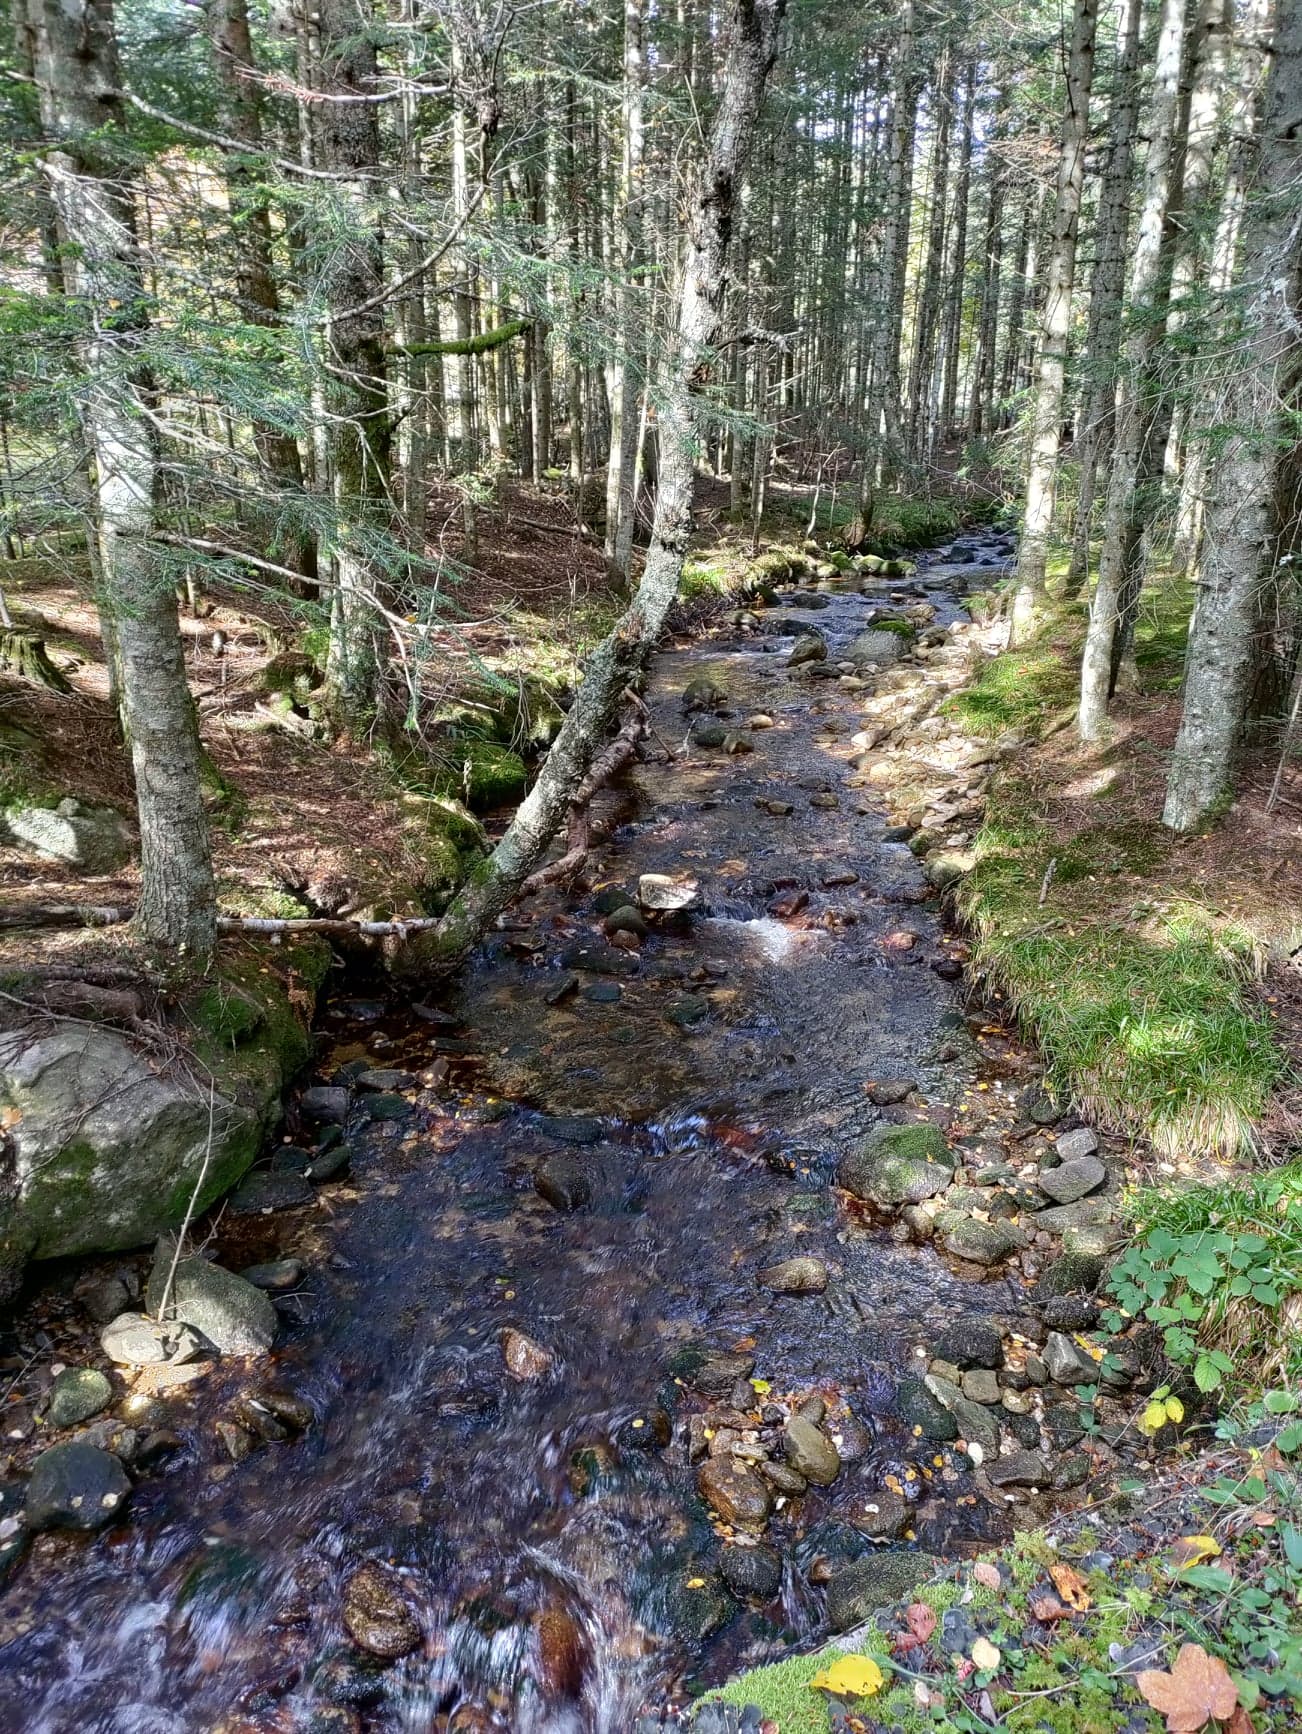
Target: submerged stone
column 75, row 1486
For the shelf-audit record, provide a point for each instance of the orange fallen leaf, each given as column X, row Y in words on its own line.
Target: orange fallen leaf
column 921, row 1620
column 1197, row 1690
column 987, row 1575
column 1071, row 1586
column 1240, row 1722
column 1047, row 1608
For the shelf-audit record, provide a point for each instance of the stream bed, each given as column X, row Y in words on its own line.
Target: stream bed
column 543, row 1283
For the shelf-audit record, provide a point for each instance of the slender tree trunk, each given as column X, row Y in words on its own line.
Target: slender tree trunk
column 1046, row 407
column 1250, row 43
column 1119, row 560
column 929, row 298
column 882, row 412
column 951, row 342
column 348, row 144
column 752, row 47
column 982, row 389
column 259, row 296
column 621, row 476
column 1107, row 284
column 1262, row 398
column 78, row 79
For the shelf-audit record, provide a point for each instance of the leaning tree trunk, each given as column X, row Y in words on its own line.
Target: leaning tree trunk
column 1046, row 409
column 683, row 406
column 359, row 432
column 1103, row 330
column 94, row 193
column 1261, row 403
column 1123, row 527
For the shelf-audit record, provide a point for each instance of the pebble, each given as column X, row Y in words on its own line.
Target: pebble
column 74, row 1486
column 1071, row 1145
column 810, row 1452
column 736, row 1492
column 525, row 1359
column 1073, row 1179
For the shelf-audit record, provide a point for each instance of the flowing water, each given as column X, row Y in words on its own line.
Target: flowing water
column 564, row 1575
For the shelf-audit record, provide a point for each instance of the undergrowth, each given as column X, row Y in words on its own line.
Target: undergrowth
column 1141, row 997
column 1147, row 1019
column 1050, row 1637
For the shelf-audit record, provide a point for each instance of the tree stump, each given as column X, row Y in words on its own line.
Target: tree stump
column 25, row 655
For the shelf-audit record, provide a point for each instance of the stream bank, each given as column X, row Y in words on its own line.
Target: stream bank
column 672, row 1301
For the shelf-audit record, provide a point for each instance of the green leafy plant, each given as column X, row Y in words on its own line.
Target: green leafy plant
column 1219, row 1270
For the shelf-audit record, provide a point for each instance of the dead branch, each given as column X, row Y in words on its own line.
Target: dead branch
column 63, row 915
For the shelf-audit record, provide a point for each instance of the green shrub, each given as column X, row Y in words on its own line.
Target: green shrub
column 1219, row 1269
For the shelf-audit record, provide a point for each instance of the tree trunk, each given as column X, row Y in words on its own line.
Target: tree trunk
column 1103, row 331
column 1250, row 42
column 1046, row 408
column 621, row 475
column 981, row 391
column 951, row 341
column 348, row 144
column 928, row 306
column 752, row 48
column 1119, row 560
column 259, row 297
column 881, row 424
column 1261, row 403
column 78, row 79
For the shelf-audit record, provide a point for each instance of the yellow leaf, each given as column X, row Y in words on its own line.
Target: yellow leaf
column 696, row 1583
column 986, row 1655
column 851, row 1677
column 761, row 1387
column 1174, row 1408
column 1193, row 1550
column 1154, row 1416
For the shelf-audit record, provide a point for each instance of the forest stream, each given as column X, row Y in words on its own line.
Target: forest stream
column 584, row 1158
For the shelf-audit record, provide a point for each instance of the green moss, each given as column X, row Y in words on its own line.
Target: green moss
column 922, row 1142
column 1017, row 692
column 901, row 628
column 484, row 774
column 782, row 1691
column 1148, row 1022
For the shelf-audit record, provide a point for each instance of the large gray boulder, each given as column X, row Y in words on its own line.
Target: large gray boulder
column 95, row 839
column 876, row 649
column 106, row 1140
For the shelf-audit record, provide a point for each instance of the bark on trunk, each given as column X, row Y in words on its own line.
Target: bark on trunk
column 259, row 296
column 621, row 474
column 1119, row 559
column 78, row 78
column 348, row 144
column 1103, row 330
column 1046, row 409
column 752, row 48
column 1262, row 399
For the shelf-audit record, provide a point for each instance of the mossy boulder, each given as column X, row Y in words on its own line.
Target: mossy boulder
column 898, row 1165
column 878, row 1580
column 483, row 773
column 109, row 1142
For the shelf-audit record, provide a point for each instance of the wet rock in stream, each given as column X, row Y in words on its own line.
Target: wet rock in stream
column 377, row 1614
column 75, row 1486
